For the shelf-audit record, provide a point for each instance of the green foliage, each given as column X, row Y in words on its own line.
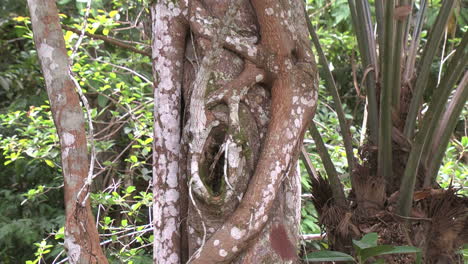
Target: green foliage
column 117, row 84
column 327, row 255
column 29, row 134
column 42, row 249
column 454, row 171
column 309, row 219
column 366, row 248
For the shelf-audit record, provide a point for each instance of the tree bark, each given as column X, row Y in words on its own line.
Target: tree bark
column 248, row 83
column 81, row 236
column 168, row 52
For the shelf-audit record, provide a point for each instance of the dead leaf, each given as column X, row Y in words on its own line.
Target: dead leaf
column 401, row 12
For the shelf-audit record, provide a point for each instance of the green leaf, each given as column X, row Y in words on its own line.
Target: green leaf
column 387, row 249
column 68, row 35
column 113, row 13
column 102, row 100
column 367, row 241
column 464, row 142
column 148, row 140
column 136, row 78
column 326, row 255
column 50, row 163
column 60, row 233
column 130, row 189
column 107, row 220
column 136, row 206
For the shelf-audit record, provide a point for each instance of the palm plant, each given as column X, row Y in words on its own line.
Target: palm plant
column 396, row 182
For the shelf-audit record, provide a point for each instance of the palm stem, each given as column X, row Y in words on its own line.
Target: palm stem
column 430, row 50
column 337, row 188
column 385, row 127
column 366, row 39
column 416, row 38
column 397, row 57
column 445, row 130
column 429, row 125
column 332, row 89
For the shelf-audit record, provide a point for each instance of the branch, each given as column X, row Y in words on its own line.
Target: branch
column 109, row 40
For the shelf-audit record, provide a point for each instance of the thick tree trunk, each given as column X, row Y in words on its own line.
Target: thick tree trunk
column 248, row 84
column 81, row 236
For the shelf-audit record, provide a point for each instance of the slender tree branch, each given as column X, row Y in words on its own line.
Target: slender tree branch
column 109, row 40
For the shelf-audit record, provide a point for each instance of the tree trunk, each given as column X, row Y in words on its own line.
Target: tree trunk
column 81, row 236
column 236, row 86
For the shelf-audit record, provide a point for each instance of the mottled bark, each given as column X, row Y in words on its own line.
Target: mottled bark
column 81, row 236
column 168, row 47
column 250, row 89
column 291, row 80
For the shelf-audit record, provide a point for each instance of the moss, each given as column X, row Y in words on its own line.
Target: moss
column 210, row 86
column 241, row 136
column 213, row 82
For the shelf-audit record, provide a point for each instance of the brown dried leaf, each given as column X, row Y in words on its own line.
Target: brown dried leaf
column 401, row 12
column 419, row 195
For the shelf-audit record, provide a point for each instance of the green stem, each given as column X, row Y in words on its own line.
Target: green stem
column 379, row 15
column 416, row 38
column 442, row 92
column 369, row 59
column 445, row 130
column 331, row 87
column 385, row 127
column 429, row 125
column 425, row 65
column 337, row 188
column 397, row 57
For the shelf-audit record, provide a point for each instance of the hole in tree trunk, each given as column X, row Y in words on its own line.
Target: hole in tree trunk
column 212, row 161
